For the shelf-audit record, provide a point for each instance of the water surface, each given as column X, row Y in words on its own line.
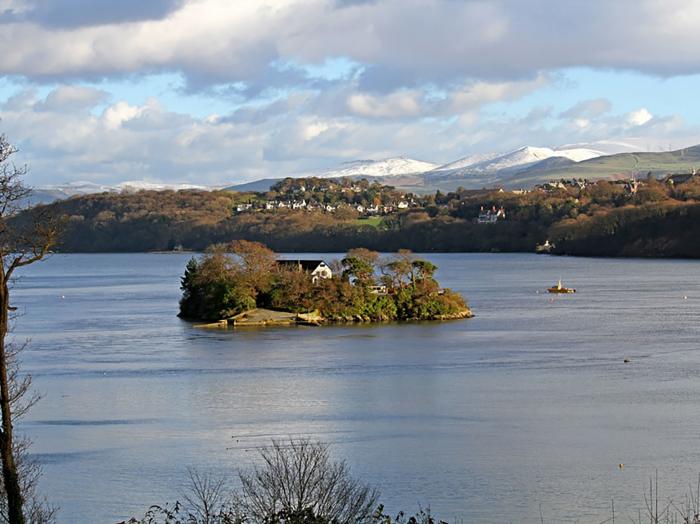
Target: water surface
column 527, row 405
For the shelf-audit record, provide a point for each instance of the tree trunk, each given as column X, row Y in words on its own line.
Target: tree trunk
column 9, row 468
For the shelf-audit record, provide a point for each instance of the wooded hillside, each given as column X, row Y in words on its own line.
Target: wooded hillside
column 650, row 218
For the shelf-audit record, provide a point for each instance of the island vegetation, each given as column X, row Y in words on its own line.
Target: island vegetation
column 230, row 280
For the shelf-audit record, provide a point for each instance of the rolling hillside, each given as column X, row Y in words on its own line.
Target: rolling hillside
column 622, row 165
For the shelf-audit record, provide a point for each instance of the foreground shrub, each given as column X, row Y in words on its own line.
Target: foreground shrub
column 297, row 482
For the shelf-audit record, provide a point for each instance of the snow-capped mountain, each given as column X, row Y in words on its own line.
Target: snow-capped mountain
column 479, row 170
column 395, row 166
column 578, row 154
column 77, row 188
column 86, row 188
column 140, row 185
column 517, row 159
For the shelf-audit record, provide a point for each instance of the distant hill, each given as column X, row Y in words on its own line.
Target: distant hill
column 613, row 166
column 44, row 196
column 500, row 163
column 259, row 186
column 388, row 167
column 48, row 194
column 621, row 165
column 651, row 218
column 523, row 167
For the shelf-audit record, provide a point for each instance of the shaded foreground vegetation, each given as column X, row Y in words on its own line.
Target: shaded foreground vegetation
column 601, row 218
column 231, row 279
column 298, row 482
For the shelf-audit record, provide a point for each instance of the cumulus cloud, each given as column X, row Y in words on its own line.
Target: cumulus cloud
column 77, row 13
column 459, row 99
column 399, row 44
column 398, row 104
column 290, row 136
column 588, row 109
column 315, row 82
column 73, row 98
column 639, row 117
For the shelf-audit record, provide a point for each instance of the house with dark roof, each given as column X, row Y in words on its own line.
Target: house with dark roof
column 317, row 269
column 679, row 178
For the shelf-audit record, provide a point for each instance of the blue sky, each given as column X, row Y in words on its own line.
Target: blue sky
column 212, row 92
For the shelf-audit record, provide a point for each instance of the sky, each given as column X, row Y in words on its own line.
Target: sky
column 215, row 92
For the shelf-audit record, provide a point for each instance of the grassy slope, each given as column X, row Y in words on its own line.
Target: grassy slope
column 618, row 166
column 623, row 165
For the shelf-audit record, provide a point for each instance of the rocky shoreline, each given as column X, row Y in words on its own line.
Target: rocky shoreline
column 261, row 317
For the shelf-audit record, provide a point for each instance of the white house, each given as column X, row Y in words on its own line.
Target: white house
column 491, row 216
column 317, row 269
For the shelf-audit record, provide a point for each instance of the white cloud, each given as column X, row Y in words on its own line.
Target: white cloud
column 151, row 142
column 114, row 116
column 398, row 104
column 588, row 109
column 399, row 44
column 74, row 98
column 421, row 74
column 639, row 117
column 476, row 94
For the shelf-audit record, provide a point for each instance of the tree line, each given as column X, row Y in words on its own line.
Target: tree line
column 601, row 218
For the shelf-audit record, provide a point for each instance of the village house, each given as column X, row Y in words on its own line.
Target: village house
column 317, row 269
column 679, row 178
column 553, row 185
column 631, row 186
column 491, row 216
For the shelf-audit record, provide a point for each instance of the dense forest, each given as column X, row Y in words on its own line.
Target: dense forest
column 610, row 218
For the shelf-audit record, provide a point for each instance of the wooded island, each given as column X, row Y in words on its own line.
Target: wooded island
column 230, row 281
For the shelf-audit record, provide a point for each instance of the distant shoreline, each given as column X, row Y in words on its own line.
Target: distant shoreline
column 436, row 252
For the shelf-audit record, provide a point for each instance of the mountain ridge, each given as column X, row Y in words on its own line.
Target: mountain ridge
column 522, row 167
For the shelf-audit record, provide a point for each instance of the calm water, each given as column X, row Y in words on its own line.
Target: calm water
column 484, row 420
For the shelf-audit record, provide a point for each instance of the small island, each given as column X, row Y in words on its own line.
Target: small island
column 244, row 283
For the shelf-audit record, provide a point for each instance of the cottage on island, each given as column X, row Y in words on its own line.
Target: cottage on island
column 317, row 269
